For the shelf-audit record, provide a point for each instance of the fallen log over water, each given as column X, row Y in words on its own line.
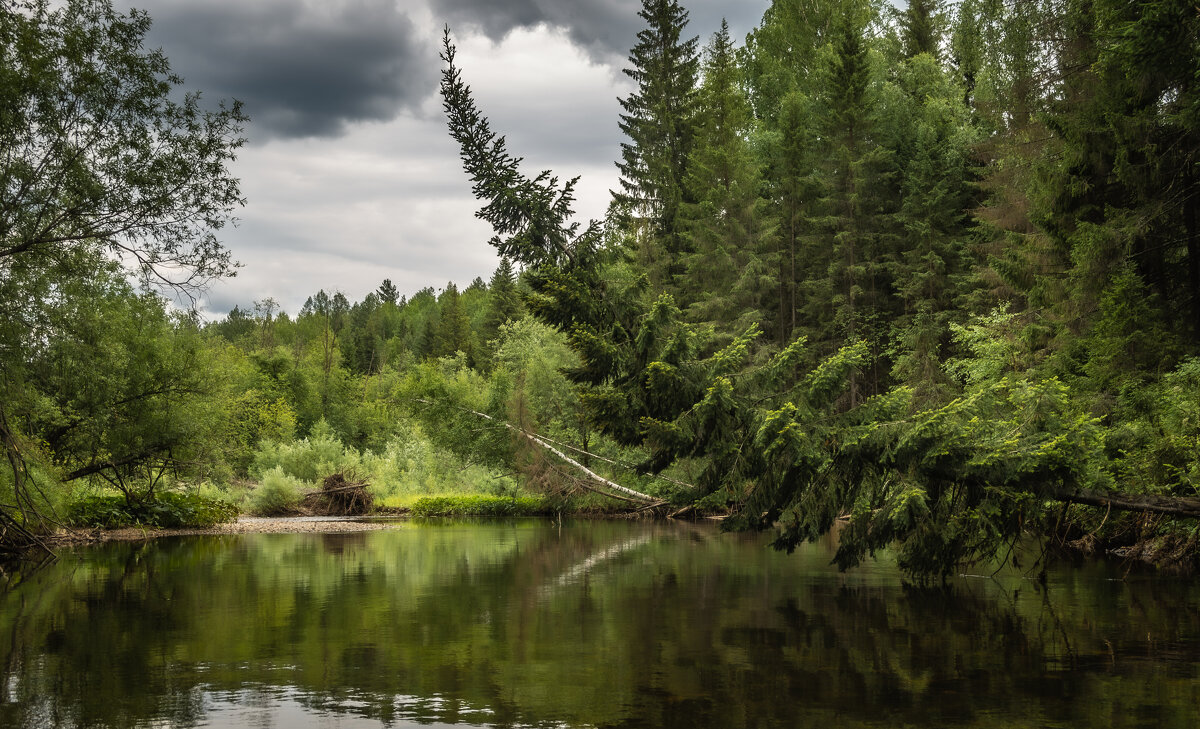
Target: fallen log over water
column 1172, row 505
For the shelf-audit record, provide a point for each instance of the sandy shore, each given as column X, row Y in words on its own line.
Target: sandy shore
column 244, row 525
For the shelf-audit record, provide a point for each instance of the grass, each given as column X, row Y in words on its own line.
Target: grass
column 480, row 505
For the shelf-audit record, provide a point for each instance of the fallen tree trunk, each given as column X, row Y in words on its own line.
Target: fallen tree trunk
column 1146, row 503
column 636, row 495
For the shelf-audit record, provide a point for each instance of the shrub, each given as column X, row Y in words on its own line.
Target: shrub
column 277, row 493
column 172, row 510
column 308, row 459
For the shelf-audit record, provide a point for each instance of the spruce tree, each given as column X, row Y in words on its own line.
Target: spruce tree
column 920, row 30
column 794, row 187
column 1153, row 55
column 658, row 120
column 932, row 268
column 453, row 327
column 504, row 305
column 848, row 216
column 726, row 226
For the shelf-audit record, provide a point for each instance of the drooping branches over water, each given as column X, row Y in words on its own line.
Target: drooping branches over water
column 932, row 433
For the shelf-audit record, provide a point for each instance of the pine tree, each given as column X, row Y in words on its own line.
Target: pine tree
column 658, row 120
column 388, row 292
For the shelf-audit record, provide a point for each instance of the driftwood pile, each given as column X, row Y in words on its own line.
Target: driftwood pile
column 339, row 496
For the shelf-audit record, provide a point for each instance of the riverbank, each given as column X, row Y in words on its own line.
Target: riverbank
column 1169, row 555
column 243, row 525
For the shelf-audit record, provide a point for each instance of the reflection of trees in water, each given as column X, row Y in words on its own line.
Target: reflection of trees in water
column 606, row 624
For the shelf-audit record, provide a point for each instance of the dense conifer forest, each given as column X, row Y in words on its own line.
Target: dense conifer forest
column 929, row 276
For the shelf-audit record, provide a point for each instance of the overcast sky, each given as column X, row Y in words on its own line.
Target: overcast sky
column 349, row 174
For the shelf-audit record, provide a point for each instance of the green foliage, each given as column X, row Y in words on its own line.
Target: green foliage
column 726, row 223
column 308, row 459
column 277, row 493
column 121, row 390
column 977, row 262
column 479, row 505
column 101, row 149
column 105, row 159
column 993, row 347
column 167, row 510
column 658, row 120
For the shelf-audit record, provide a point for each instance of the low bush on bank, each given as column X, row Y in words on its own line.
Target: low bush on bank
column 408, row 466
column 171, row 510
column 277, row 494
column 480, row 505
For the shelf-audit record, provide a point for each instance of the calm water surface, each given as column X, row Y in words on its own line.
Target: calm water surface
column 594, row 624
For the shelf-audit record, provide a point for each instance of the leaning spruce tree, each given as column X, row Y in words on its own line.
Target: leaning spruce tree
column 785, row 445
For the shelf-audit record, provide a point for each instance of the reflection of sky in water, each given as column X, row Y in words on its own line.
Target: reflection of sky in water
column 275, row 707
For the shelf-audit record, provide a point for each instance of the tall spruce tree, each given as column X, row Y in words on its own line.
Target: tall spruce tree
column 503, row 306
column 726, row 226
column 658, row 119
column 1153, row 55
column 932, row 268
column 793, row 187
column 849, row 214
column 920, row 28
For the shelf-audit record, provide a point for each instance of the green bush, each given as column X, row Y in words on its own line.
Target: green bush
column 171, row 510
column 308, row 459
column 479, row 505
column 277, row 493
column 410, row 464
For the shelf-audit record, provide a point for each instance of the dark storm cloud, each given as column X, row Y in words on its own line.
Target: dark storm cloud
column 607, row 29
column 302, row 69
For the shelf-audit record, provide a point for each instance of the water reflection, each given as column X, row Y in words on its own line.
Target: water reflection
column 526, row 624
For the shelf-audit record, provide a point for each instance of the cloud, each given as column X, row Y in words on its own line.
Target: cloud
column 351, row 177
column 303, row 69
column 556, row 107
column 390, row 200
column 606, row 29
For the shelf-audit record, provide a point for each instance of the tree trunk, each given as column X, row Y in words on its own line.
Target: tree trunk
column 1147, row 503
column 1193, row 251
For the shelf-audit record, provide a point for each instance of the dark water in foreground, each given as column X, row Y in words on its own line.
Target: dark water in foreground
column 592, row 625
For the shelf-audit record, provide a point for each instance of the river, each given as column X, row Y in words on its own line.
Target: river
column 586, row 624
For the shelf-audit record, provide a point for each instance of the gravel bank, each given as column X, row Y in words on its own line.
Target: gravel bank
column 244, row 525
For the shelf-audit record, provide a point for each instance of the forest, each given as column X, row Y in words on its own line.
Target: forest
column 928, row 277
